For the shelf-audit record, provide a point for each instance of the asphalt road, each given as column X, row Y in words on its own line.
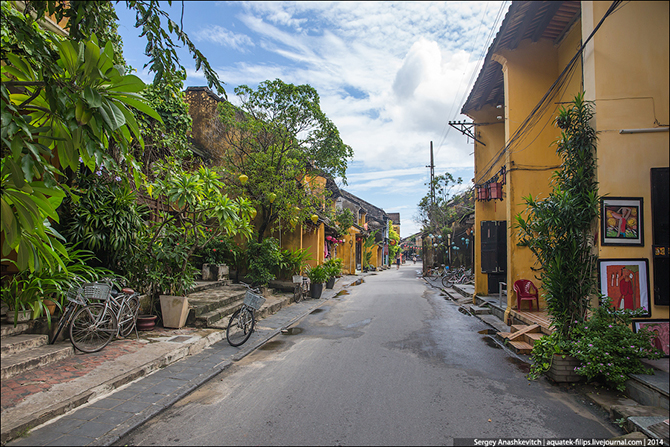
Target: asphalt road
column 387, row 362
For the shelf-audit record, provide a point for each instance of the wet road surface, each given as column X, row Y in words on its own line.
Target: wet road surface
column 387, row 362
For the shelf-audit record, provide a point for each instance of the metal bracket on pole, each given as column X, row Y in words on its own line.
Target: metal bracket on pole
column 466, row 129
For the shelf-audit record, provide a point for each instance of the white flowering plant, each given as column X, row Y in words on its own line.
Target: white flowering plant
column 607, row 347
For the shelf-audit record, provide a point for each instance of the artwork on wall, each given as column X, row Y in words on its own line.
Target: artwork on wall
column 626, row 282
column 660, row 327
column 621, row 219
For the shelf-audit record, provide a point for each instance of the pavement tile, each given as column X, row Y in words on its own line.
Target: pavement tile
column 71, row 440
column 107, row 403
column 125, row 394
column 132, row 406
column 148, row 397
column 113, row 417
column 64, row 425
column 92, row 430
column 39, row 437
column 87, row 413
column 167, row 386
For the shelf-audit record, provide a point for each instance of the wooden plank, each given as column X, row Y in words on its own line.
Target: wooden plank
column 533, row 337
column 527, row 329
column 521, row 347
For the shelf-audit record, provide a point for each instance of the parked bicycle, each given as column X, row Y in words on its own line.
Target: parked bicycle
column 75, row 300
column 300, row 287
column 458, row 276
column 435, row 272
column 243, row 321
column 96, row 324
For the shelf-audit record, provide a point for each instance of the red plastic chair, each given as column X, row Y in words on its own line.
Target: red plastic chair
column 526, row 291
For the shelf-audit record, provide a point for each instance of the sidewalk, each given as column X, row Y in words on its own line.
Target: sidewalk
column 645, row 415
column 119, row 388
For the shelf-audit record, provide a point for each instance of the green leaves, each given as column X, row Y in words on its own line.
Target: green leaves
column 558, row 229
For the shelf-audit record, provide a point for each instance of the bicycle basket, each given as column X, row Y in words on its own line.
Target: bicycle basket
column 297, row 279
column 76, row 295
column 254, row 301
column 96, row 291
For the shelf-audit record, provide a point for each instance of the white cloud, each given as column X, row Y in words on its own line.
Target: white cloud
column 222, row 36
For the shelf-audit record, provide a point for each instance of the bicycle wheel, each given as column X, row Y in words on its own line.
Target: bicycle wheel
column 447, row 282
column 64, row 319
column 129, row 313
column 92, row 328
column 240, row 326
column 297, row 293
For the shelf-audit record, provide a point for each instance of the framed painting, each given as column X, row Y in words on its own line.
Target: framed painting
column 660, row 327
column 622, row 222
column 626, row 282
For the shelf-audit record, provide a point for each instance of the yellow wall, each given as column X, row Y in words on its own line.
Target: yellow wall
column 493, row 137
column 637, row 97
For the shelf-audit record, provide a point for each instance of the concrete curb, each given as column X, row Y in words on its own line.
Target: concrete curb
column 179, row 353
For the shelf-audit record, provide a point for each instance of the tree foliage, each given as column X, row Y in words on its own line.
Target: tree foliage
column 559, row 229
column 68, row 101
column 280, row 139
column 440, row 212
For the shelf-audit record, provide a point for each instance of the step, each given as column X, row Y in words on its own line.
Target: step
column 207, row 285
column 479, row 310
column 22, row 342
column 37, row 357
column 202, row 305
column 520, row 347
column 649, row 389
column 212, row 318
column 532, row 337
column 524, row 327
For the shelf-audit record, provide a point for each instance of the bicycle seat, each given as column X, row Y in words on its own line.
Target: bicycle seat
column 128, row 291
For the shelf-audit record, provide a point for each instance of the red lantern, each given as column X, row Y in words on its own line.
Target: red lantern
column 495, row 191
column 482, row 193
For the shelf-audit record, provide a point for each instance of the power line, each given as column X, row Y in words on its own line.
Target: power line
column 544, row 103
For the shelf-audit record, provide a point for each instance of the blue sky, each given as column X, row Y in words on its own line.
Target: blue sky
column 390, row 76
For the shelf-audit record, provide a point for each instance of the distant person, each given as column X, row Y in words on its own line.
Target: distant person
column 397, row 262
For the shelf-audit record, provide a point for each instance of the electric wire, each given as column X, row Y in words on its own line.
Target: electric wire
column 481, row 58
column 545, row 101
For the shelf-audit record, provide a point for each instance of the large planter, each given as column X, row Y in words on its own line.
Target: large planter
column 316, row 290
column 562, row 370
column 23, row 316
column 175, row 311
column 215, row 272
column 331, row 283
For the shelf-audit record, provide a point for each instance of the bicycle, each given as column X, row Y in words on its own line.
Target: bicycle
column 76, row 299
column 300, row 287
column 243, row 321
column 95, row 324
column 435, row 272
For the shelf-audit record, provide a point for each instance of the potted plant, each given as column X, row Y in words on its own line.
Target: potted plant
column 333, row 268
column 317, row 276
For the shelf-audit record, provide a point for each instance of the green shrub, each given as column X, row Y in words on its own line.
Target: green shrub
column 264, row 261
column 607, row 347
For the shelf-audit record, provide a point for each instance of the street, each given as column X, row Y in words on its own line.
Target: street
column 386, row 362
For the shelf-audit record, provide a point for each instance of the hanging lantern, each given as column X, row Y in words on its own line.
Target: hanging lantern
column 253, row 212
column 495, row 191
column 315, row 218
column 243, row 179
column 271, row 197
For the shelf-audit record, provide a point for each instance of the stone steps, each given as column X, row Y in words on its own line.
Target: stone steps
column 22, row 342
column 32, row 356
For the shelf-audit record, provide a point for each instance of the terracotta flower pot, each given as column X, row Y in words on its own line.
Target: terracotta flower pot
column 146, row 322
column 51, row 305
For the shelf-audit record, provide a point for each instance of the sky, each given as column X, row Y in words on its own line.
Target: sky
column 390, row 76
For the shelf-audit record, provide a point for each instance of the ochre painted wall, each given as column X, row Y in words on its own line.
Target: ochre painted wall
column 636, row 97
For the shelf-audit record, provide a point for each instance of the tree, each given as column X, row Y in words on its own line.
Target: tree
column 440, row 212
column 281, row 140
column 68, row 101
column 559, row 229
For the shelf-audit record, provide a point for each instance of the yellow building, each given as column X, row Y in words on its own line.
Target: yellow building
column 319, row 238
column 536, row 63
